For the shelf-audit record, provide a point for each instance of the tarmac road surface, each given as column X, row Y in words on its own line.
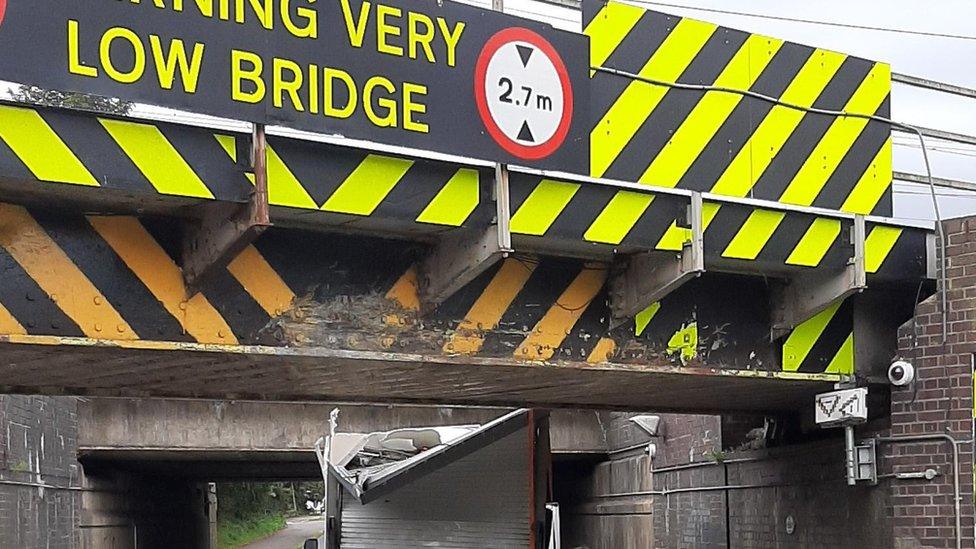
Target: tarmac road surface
column 293, row 536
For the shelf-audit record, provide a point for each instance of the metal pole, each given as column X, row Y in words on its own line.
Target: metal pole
column 259, row 162
column 851, row 461
column 957, row 496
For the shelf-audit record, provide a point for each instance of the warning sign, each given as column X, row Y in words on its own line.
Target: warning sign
column 400, row 72
column 524, row 94
column 843, row 407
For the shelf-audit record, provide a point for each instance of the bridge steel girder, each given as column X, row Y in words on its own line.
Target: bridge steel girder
column 114, row 275
column 157, row 369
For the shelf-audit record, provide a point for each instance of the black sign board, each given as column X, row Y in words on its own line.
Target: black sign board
column 424, row 74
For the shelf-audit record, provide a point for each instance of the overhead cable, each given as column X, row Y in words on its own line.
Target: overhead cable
column 833, row 113
column 809, row 21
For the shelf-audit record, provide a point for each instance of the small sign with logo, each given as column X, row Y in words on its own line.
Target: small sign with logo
column 844, row 407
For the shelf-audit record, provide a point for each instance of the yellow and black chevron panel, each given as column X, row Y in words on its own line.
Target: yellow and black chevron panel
column 823, row 344
column 727, row 143
column 115, row 277
column 771, row 241
column 896, row 253
column 592, row 214
column 118, row 278
column 353, row 182
column 776, row 240
column 64, row 147
column 170, row 160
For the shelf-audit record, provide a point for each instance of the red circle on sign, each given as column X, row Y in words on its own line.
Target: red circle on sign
column 527, row 152
column 3, row 9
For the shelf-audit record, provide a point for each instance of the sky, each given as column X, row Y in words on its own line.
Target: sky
column 946, row 59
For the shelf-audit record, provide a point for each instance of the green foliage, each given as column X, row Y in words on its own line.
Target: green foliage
column 717, row 456
column 244, row 500
column 249, row 511
column 238, row 532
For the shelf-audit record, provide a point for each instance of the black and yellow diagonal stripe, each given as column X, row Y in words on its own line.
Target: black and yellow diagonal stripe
column 771, row 240
column 62, row 147
column 825, row 343
column 108, row 277
column 727, row 143
column 118, row 278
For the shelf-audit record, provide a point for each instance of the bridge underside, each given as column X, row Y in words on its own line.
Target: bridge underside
column 97, row 368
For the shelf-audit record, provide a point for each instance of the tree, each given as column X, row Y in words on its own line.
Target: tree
column 71, row 100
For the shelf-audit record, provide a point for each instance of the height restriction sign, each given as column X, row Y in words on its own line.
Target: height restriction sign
column 399, row 72
column 524, row 94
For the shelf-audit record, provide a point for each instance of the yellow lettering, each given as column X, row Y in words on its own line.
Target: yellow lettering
column 410, row 107
column 355, row 29
column 139, row 55
column 389, row 119
column 263, row 9
column 224, row 10
column 385, row 30
column 308, row 16
column 239, row 75
column 330, row 109
column 75, row 66
column 205, row 7
column 290, row 86
column 167, row 63
column 451, row 38
column 418, row 38
column 313, row 89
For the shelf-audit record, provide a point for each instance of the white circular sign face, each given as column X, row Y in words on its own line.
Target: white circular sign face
column 524, row 94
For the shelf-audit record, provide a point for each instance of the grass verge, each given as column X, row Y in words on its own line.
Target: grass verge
column 235, row 533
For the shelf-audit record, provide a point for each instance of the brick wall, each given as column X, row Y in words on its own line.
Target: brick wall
column 611, row 504
column 941, row 402
column 804, row 484
column 689, row 518
column 38, row 445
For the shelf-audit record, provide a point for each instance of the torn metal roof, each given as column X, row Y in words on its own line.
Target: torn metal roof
column 370, row 466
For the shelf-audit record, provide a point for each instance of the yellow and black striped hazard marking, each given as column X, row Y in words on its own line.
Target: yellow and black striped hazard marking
column 118, row 278
column 85, row 150
column 727, row 143
column 108, row 277
column 825, row 343
column 628, row 220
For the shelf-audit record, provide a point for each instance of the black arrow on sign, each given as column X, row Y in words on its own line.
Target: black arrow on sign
column 525, row 134
column 525, row 53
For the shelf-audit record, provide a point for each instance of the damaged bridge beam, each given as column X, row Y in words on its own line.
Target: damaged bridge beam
column 460, row 256
column 646, row 278
column 226, row 228
column 804, row 295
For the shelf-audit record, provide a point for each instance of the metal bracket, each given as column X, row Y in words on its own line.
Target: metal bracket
column 803, row 296
column 226, row 229
column 649, row 277
column 461, row 256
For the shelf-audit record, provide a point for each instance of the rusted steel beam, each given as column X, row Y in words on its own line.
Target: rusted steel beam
column 805, row 295
column 160, row 369
column 227, row 228
column 460, row 257
column 649, row 278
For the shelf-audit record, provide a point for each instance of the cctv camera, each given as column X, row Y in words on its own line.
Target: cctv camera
column 901, row 373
